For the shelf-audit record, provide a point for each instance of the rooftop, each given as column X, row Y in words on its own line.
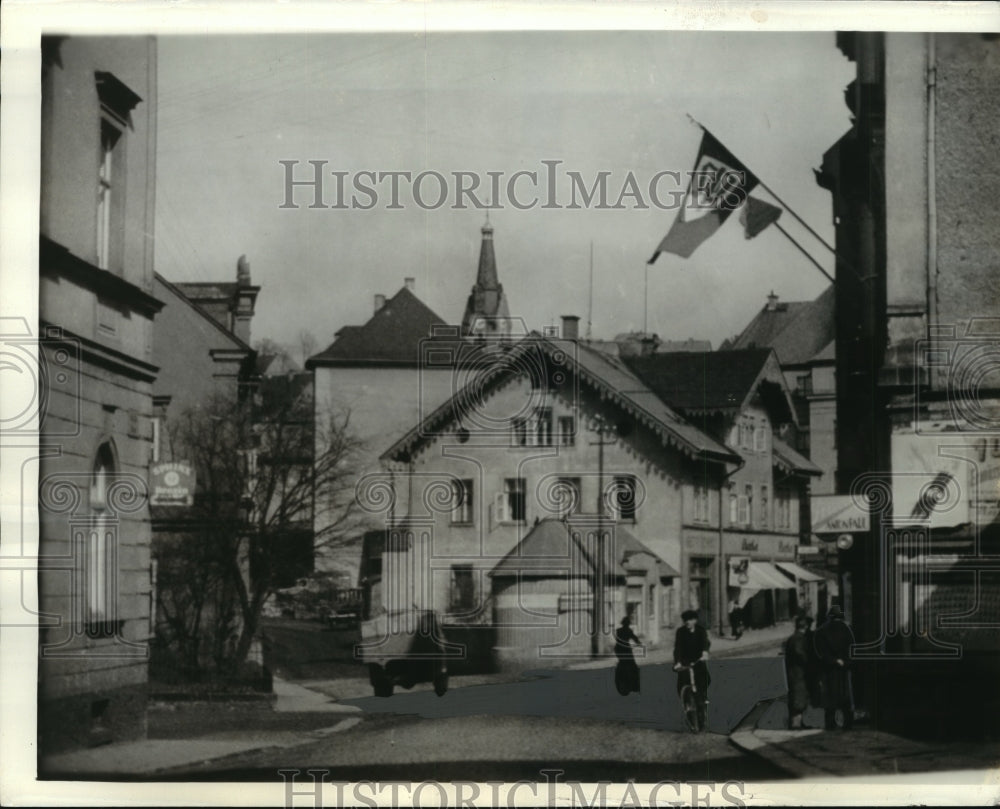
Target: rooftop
column 391, row 337
column 798, row 331
column 707, row 381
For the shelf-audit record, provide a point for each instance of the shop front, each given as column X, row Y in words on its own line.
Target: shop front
column 749, row 574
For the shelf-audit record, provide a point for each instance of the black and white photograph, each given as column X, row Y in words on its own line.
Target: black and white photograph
column 425, row 404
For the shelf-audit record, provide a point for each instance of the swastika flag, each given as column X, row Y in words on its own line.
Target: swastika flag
column 719, row 185
column 757, row 215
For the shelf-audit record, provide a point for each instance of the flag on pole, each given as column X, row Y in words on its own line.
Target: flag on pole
column 719, row 185
column 757, row 215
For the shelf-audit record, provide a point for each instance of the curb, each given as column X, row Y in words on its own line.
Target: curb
column 747, row 739
column 304, row 738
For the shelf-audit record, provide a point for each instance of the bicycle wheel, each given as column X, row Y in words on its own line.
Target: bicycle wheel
column 690, row 702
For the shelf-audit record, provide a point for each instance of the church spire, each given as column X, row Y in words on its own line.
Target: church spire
column 486, row 311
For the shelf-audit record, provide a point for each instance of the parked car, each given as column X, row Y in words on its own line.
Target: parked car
column 404, row 648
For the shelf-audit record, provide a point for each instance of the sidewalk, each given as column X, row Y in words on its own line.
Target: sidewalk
column 862, row 751
column 296, row 715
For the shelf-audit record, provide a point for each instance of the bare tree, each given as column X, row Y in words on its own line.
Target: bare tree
column 261, row 465
column 281, row 357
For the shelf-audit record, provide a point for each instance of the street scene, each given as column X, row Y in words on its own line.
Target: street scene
column 448, row 411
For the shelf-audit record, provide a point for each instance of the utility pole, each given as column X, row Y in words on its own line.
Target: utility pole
column 601, row 426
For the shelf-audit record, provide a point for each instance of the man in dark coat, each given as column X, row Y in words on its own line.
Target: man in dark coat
column 796, row 665
column 691, row 645
column 833, row 643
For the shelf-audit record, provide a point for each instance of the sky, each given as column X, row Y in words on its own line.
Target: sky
column 231, row 107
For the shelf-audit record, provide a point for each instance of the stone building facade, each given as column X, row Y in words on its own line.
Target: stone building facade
column 97, row 306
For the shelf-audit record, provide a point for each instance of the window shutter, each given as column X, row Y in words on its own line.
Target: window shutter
column 499, row 509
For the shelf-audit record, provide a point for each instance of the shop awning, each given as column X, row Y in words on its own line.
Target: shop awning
column 761, row 576
column 800, row 573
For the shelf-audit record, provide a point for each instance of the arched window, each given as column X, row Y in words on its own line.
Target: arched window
column 99, row 569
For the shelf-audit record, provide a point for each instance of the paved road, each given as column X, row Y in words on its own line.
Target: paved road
column 737, row 685
column 574, row 721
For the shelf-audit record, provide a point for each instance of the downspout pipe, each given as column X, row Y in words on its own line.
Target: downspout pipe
column 932, row 247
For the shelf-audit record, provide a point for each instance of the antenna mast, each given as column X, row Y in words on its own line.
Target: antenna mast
column 590, row 304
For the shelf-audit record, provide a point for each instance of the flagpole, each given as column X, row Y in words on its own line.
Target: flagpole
column 590, row 302
column 770, row 191
column 645, row 298
column 816, row 264
column 798, row 218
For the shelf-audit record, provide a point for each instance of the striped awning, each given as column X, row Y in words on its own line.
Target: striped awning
column 800, row 573
column 761, row 576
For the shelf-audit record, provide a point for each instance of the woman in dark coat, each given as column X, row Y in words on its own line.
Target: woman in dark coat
column 796, row 665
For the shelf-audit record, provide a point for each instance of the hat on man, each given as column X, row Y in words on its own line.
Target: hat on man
column 689, row 615
column 835, row 612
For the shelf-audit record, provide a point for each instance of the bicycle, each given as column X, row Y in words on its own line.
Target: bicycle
column 694, row 712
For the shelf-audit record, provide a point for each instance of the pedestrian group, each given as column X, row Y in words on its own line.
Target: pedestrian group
column 817, row 664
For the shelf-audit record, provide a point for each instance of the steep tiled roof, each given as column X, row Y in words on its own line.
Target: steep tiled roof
column 391, row 337
column 797, row 330
column 702, row 381
column 551, row 548
column 789, row 460
column 609, row 375
column 630, row 546
column 180, row 291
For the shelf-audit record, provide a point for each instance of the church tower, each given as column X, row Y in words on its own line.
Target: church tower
column 486, row 312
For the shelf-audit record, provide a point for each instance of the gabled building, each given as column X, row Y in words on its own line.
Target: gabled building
column 559, row 430
column 396, row 368
column 801, row 334
column 741, row 398
column 554, row 430
column 201, row 352
column 384, row 376
column 97, row 304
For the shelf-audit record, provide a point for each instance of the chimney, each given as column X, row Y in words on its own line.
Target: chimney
column 410, row 283
column 243, row 272
column 772, row 302
column 570, row 327
column 379, row 302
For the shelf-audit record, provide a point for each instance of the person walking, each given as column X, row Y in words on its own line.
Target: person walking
column 627, row 670
column 735, row 619
column 814, row 671
column 833, row 643
column 691, row 645
column 796, row 665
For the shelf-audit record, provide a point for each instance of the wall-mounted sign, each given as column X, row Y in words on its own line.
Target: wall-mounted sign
column 837, row 514
column 738, row 571
column 944, row 479
column 171, row 484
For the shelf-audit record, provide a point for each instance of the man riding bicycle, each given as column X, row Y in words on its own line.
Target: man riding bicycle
column 691, row 646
